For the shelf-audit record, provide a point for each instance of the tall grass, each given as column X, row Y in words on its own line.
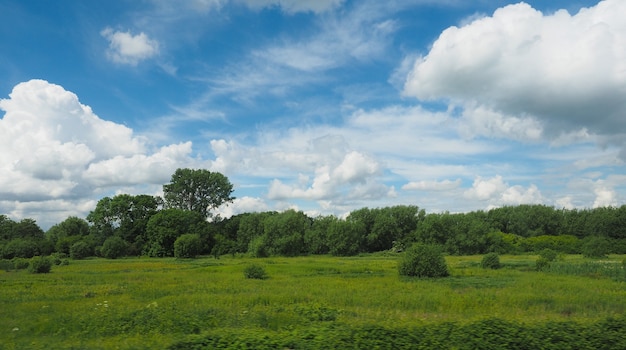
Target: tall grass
column 149, row 303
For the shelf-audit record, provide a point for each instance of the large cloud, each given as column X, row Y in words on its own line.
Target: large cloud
column 56, row 149
column 519, row 67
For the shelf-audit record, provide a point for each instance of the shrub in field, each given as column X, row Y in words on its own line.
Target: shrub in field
column 40, row 264
column 114, row 247
column 20, row 248
column 548, row 254
column 80, row 250
column 491, row 261
column 423, row 260
column 596, row 247
column 255, row 271
column 542, row 264
column 187, row 246
column 20, row 263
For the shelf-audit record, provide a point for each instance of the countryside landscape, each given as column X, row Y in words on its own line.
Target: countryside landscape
column 313, row 174
column 139, row 275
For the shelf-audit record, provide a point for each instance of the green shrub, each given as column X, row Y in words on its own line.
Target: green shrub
column 40, row 264
column 20, row 248
column 548, row 254
column 596, row 247
column 491, row 261
column 20, row 263
column 114, row 247
column 187, row 246
column 80, row 250
column 255, row 271
column 423, row 260
column 542, row 264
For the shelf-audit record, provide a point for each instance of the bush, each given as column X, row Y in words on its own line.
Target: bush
column 542, row 264
column 80, row 250
column 423, row 260
column 548, row 254
column 20, row 263
column 187, row 246
column 40, row 264
column 20, row 248
column 255, row 272
column 114, row 247
column 596, row 247
column 491, row 261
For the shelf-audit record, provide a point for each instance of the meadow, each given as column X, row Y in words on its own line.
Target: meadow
column 156, row 303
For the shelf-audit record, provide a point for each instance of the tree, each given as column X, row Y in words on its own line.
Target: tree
column 169, row 224
column 80, row 250
column 125, row 216
column 284, row 232
column 596, row 247
column 187, row 246
column 114, row 247
column 423, row 260
column 197, row 190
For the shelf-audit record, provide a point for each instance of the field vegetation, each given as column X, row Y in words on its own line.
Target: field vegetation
column 184, row 303
column 143, row 271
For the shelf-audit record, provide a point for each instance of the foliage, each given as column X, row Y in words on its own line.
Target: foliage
column 490, row 261
column 125, row 216
column 423, row 260
column 80, row 250
column 20, row 263
column 255, row 271
column 542, row 264
column 548, row 254
column 169, row 224
column 20, row 248
column 187, row 246
column 490, row 333
column 596, row 247
column 39, row 264
column 114, row 247
column 197, row 190
column 309, row 302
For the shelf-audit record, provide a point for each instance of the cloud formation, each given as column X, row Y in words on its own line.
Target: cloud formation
column 59, row 149
column 541, row 74
column 125, row 48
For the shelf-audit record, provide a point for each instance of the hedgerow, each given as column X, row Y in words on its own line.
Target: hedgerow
column 490, row 333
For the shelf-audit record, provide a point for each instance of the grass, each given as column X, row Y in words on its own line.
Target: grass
column 150, row 303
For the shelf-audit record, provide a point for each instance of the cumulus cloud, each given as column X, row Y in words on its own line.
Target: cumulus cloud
column 125, row 48
column 567, row 72
column 497, row 192
column 351, row 178
column 57, row 149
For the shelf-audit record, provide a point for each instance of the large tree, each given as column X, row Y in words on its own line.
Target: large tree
column 197, row 190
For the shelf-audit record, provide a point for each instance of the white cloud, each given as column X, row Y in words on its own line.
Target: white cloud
column 125, row 48
column 243, row 205
column 605, row 195
column 57, row 150
column 497, row 192
column 567, row 72
column 444, row 185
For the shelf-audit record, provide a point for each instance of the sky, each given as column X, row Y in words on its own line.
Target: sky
column 324, row 106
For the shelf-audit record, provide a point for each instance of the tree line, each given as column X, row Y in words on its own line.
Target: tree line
column 183, row 224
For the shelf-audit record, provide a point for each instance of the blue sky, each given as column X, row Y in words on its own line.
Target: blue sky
column 324, row 106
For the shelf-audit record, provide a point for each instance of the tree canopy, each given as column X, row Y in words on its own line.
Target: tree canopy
column 197, row 190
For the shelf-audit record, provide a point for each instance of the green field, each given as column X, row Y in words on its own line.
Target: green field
column 153, row 303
